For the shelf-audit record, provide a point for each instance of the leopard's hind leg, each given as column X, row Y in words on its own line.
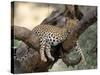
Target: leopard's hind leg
column 42, row 49
column 48, row 53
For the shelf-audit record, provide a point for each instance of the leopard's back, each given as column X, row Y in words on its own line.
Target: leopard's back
column 52, row 34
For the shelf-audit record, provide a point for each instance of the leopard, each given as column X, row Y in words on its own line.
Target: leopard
column 49, row 36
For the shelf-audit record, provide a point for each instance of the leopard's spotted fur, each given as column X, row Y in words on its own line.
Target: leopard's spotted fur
column 49, row 36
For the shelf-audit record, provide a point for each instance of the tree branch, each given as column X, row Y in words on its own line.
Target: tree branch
column 25, row 35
